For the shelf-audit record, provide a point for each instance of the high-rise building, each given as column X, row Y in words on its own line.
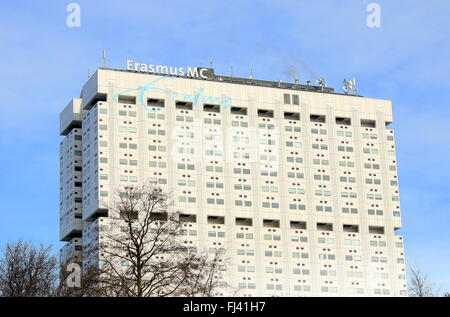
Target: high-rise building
column 296, row 184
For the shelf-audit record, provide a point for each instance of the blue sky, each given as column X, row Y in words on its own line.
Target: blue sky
column 43, row 64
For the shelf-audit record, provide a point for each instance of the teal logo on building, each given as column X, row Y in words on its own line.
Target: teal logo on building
column 176, row 96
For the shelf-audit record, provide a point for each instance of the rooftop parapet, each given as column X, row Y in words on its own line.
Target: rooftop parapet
column 71, row 116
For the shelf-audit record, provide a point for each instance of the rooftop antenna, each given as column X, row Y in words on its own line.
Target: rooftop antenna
column 89, row 73
column 251, row 73
column 296, row 80
column 294, row 74
column 104, row 58
column 231, row 71
column 350, row 86
column 279, row 81
column 210, row 63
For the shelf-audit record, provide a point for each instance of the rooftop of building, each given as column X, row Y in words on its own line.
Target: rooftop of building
column 211, row 76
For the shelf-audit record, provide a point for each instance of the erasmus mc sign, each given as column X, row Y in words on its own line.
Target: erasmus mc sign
column 167, row 70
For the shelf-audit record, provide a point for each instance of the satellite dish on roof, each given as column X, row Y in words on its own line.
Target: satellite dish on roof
column 321, row 83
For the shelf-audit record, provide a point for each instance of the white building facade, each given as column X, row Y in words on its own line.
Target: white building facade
column 296, row 185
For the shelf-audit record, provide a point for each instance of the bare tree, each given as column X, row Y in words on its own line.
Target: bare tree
column 27, row 271
column 447, row 295
column 202, row 277
column 141, row 252
column 419, row 284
